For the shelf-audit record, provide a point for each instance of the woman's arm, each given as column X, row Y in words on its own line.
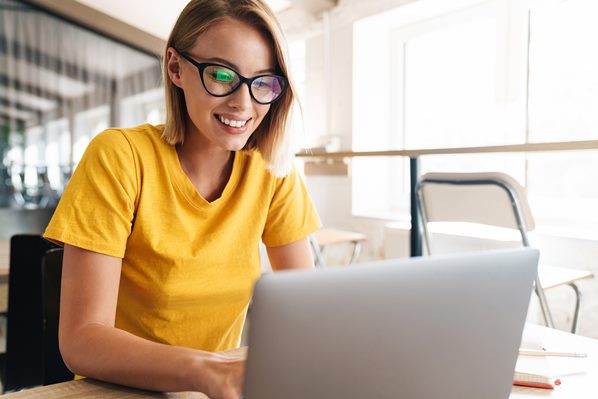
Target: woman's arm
column 296, row 255
column 93, row 347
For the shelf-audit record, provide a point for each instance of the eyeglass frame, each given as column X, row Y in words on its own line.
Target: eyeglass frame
column 201, row 66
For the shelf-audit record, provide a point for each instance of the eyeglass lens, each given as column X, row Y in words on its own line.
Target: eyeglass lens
column 221, row 81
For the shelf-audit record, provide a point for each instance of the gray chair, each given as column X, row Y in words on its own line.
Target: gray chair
column 317, row 253
column 491, row 199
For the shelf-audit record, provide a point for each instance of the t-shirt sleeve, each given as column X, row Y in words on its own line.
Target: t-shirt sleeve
column 97, row 208
column 292, row 214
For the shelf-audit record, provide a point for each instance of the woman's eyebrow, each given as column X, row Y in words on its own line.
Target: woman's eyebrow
column 235, row 67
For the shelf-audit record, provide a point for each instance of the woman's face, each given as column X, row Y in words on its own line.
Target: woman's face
column 224, row 122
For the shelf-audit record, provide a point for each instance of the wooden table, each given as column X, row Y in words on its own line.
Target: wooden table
column 580, row 386
column 90, row 389
column 4, row 259
column 414, row 172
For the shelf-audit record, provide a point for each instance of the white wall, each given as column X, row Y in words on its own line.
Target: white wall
column 329, row 114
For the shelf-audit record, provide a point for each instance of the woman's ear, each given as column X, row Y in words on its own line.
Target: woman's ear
column 173, row 66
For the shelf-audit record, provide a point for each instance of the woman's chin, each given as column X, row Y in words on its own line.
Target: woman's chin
column 236, row 145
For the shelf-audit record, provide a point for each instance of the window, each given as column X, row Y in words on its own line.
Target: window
column 563, row 98
column 87, row 124
column 61, row 84
column 456, row 74
column 146, row 107
column 34, row 155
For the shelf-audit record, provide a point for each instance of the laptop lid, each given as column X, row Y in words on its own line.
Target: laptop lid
column 437, row 327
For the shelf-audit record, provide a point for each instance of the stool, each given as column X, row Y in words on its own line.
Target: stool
column 324, row 237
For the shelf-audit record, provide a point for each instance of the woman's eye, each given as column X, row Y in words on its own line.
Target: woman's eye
column 262, row 84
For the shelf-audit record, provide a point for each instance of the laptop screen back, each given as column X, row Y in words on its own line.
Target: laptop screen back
column 439, row 327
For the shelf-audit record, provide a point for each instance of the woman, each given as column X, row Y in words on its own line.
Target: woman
column 161, row 224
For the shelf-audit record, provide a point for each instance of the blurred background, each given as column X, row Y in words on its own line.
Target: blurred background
column 372, row 75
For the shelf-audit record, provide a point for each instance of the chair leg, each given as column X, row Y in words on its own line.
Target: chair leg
column 544, row 304
column 575, row 323
column 356, row 251
column 318, row 257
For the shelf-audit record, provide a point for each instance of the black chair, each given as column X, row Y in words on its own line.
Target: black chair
column 23, row 363
column 54, row 369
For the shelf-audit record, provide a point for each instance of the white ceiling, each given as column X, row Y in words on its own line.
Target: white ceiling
column 153, row 16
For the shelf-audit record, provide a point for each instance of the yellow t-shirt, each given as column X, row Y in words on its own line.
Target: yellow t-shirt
column 188, row 265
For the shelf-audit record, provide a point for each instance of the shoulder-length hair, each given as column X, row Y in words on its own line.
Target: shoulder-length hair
column 198, row 16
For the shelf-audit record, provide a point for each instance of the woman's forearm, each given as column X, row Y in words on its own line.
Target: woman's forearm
column 109, row 354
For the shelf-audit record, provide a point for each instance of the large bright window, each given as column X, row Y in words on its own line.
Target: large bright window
column 145, row 107
column 563, row 99
column 475, row 73
column 88, row 123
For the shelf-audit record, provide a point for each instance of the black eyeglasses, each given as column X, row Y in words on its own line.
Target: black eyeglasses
column 220, row 81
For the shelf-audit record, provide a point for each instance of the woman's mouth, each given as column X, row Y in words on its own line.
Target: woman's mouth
column 236, row 123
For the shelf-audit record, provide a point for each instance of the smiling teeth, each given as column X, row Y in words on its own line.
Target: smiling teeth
column 231, row 122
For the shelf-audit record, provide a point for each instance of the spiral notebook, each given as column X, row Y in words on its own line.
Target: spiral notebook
column 534, row 372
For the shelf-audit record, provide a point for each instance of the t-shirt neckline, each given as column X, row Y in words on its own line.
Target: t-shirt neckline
column 184, row 185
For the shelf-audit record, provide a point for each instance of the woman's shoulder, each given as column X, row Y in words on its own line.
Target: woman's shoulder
column 142, row 133
column 137, row 139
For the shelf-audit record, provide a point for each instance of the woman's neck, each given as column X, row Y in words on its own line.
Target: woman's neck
column 207, row 167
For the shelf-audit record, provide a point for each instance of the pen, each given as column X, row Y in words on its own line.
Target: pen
column 539, row 352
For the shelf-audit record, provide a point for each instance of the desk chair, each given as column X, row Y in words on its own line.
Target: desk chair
column 326, row 237
column 30, row 318
column 12, row 222
column 54, row 369
column 22, row 363
column 492, row 199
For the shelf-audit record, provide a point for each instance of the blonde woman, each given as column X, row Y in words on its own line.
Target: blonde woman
column 161, row 224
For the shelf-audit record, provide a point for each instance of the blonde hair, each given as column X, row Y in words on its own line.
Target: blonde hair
column 198, row 16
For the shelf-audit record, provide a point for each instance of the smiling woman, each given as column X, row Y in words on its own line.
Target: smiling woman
column 225, row 43
column 161, row 224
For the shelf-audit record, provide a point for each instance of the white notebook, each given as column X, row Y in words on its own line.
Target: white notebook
column 534, row 371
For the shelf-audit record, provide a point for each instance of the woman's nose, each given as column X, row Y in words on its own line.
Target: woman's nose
column 241, row 98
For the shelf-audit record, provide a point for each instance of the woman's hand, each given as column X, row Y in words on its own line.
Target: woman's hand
column 225, row 377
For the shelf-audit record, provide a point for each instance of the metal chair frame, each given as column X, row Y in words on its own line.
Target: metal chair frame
column 318, row 247
column 516, row 206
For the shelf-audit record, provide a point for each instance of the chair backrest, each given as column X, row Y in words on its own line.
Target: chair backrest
column 490, row 198
column 23, row 357
column 54, row 369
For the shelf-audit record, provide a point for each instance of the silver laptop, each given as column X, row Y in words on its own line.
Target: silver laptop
column 439, row 327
